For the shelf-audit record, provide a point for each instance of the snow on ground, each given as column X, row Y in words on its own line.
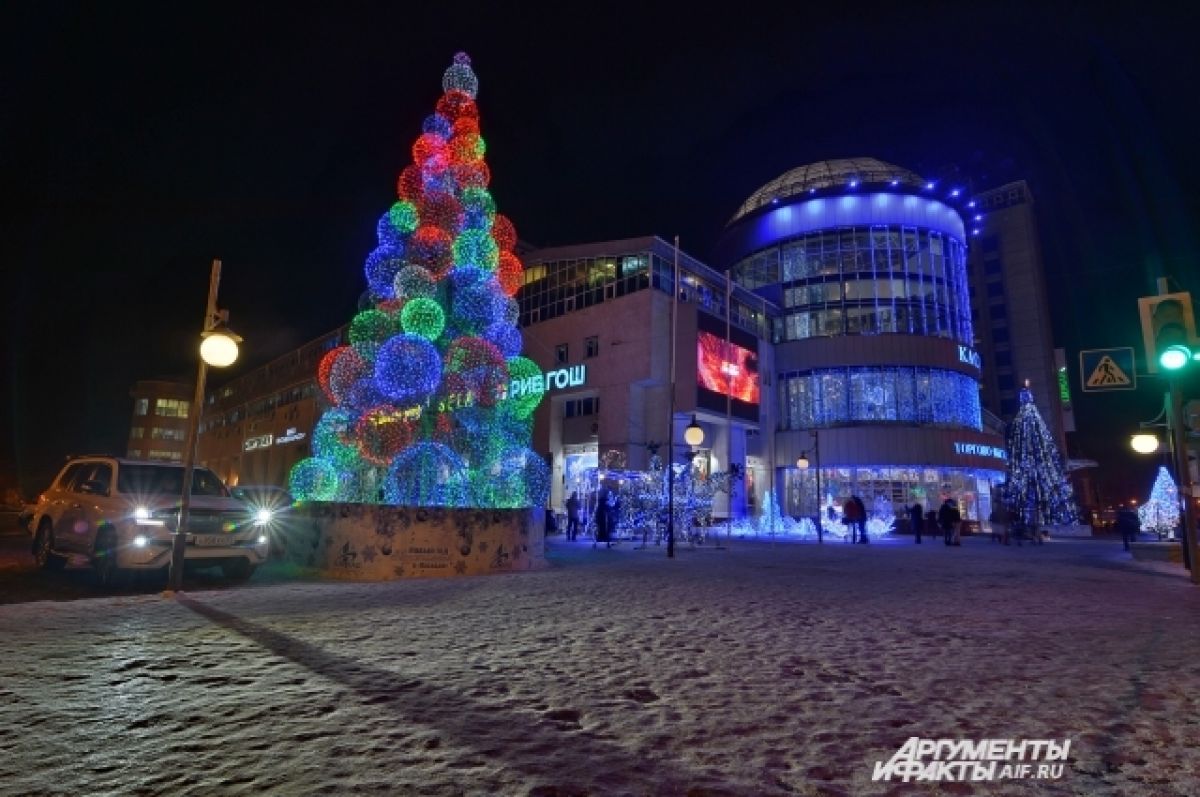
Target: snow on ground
column 756, row 670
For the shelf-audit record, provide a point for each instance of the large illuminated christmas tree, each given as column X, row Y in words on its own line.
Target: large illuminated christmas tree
column 432, row 402
column 1037, row 490
column 1160, row 515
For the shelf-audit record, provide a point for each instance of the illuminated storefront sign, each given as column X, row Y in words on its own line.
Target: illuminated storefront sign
column 572, row 376
column 969, row 356
column 980, row 450
column 255, row 443
column 291, row 436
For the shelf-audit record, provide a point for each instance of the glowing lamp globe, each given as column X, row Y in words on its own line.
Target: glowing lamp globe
column 802, row 463
column 219, row 347
column 693, row 435
column 1144, row 443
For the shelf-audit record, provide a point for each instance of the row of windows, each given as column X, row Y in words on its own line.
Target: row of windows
column 292, row 395
column 866, row 281
column 165, row 408
column 591, row 348
column 557, row 288
column 901, row 395
column 577, row 407
column 157, row 433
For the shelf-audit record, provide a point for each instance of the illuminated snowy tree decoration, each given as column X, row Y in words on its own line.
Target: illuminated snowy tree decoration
column 433, row 402
column 1037, row 490
column 1160, row 515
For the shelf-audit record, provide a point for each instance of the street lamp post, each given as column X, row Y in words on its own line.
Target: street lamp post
column 802, row 464
column 218, row 348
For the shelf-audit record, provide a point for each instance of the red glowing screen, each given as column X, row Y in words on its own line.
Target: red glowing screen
column 736, row 377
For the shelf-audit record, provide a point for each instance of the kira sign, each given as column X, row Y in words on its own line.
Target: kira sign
column 980, row 450
column 969, row 356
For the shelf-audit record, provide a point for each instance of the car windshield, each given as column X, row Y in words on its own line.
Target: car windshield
column 166, row 480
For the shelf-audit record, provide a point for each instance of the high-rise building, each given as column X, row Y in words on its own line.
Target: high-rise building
column 1010, row 306
column 158, row 428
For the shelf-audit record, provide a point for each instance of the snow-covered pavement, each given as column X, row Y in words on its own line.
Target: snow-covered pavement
column 756, row 670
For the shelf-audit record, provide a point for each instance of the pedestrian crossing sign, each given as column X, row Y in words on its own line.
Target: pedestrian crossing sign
column 1101, row 370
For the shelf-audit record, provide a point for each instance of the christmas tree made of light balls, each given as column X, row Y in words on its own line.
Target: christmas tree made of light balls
column 1038, row 490
column 432, row 402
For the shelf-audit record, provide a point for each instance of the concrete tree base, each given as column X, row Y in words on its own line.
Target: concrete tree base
column 1165, row 551
column 367, row 542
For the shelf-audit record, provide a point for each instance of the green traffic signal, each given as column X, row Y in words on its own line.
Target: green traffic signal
column 1175, row 357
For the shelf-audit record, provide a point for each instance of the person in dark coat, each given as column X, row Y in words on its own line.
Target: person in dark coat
column 573, row 516
column 1129, row 525
column 948, row 518
column 917, row 519
column 860, row 514
column 600, row 518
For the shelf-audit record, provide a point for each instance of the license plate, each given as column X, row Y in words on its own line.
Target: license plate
column 209, row 540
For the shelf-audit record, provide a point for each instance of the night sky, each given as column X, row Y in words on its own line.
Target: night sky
column 139, row 142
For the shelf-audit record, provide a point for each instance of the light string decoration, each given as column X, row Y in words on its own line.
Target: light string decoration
column 432, row 402
column 1037, row 490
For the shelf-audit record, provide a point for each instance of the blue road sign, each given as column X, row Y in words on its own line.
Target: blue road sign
column 1101, row 370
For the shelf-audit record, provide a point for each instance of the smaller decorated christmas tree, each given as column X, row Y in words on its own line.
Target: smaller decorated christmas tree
column 1038, row 490
column 1160, row 515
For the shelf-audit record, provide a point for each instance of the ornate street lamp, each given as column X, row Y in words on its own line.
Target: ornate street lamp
column 218, row 348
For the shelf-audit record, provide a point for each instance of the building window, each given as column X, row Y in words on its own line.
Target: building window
column 141, row 407
column 161, row 433
column 136, row 432
column 173, row 456
column 580, row 407
column 591, row 346
column 171, row 408
column 560, row 353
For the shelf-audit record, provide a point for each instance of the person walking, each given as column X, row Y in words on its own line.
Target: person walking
column 1128, row 524
column 948, row 518
column 573, row 516
column 860, row 513
column 917, row 519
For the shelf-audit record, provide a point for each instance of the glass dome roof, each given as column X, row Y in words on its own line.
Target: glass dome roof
column 828, row 174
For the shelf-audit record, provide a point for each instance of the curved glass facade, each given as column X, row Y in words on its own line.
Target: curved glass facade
column 921, row 396
column 866, row 281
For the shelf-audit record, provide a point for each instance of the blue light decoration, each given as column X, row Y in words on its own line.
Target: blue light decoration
column 1037, row 490
column 432, row 400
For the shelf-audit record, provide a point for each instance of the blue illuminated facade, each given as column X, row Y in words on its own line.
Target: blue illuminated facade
column 874, row 350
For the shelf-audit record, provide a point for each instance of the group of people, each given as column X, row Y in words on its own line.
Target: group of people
column 605, row 517
column 948, row 518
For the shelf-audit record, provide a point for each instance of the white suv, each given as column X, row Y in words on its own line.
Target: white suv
column 120, row 514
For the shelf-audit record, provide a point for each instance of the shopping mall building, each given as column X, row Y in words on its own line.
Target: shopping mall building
column 835, row 323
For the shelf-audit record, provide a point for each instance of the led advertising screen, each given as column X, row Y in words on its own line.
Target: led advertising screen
column 735, row 376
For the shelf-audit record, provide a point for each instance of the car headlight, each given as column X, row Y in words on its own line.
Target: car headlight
column 143, row 517
column 263, row 516
column 262, row 539
column 139, row 541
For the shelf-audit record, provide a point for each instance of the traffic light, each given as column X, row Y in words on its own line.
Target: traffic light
column 1168, row 331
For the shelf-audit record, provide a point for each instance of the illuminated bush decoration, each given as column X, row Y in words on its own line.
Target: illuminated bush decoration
column 371, row 326
column 504, row 232
column 408, row 369
column 476, row 248
column 381, row 268
column 414, row 282
column 313, row 480
column 404, row 216
column 424, row 317
column 459, row 77
column 505, row 337
column 433, row 403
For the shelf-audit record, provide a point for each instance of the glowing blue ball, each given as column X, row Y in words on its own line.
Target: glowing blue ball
column 381, row 268
column 426, row 474
column 437, row 125
column 505, row 337
column 408, row 369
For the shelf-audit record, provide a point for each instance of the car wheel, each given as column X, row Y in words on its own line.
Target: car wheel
column 104, row 559
column 240, row 570
column 43, row 549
